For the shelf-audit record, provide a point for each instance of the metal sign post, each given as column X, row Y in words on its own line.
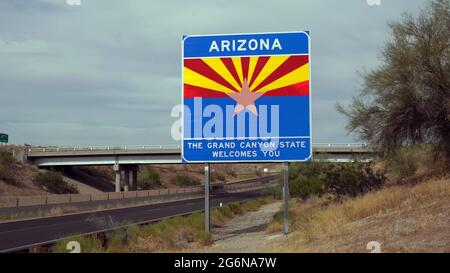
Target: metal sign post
column 286, row 197
column 207, row 212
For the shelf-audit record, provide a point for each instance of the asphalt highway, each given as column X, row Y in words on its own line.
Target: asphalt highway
column 20, row 235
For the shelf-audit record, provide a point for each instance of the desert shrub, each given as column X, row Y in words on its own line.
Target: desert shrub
column 6, row 168
column 53, row 182
column 405, row 166
column 185, row 180
column 274, row 191
column 230, row 172
column 88, row 244
column 318, row 178
column 235, row 208
column 226, row 211
column 253, row 205
column 413, row 160
column 203, row 237
column 149, row 179
column 405, row 161
column 217, row 176
column 119, row 239
column 304, row 187
column 353, row 179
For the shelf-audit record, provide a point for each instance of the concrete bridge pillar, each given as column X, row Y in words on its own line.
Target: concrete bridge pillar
column 134, row 180
column 116, row 168
column 126, row 179
column 129, row 179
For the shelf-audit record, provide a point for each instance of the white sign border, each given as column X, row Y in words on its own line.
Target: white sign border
column 183, row 159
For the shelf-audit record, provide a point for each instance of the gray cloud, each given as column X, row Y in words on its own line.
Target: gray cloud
column 108, row 72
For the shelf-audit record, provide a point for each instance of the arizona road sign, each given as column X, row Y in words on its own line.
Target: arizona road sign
column 246, row 97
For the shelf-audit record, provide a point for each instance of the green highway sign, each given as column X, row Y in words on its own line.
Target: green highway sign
column 3, row 138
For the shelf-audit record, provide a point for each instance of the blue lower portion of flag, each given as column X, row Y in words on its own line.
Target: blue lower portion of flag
column 280, row 131
column 286, row 149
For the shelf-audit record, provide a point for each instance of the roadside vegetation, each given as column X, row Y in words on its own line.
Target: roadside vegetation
column 403, row 218
column 174, row 234
column 184, row 180
column 53, row 182
column 406, row 100
column 7, row 162
column 335, row 179
column 217, row 176
column 230, row 172
column 407, row 165
column 149, row 179
column 402, row 201
column 403, row 113
column 415, row 161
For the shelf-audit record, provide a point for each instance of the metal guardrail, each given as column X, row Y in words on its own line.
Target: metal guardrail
column 254, row 185
column 62, row 199
column 103, row 148
column 166, row 147
column 340, row 145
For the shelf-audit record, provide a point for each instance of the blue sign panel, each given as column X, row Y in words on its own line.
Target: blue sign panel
column 246, row 98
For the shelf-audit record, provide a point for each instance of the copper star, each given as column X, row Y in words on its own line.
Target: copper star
column 245, row 99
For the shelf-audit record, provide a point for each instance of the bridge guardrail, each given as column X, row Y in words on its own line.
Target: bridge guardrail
column 102, row 148
column 168, row 147
column 340, row 145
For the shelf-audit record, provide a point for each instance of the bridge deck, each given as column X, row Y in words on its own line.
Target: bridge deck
column 108, row 155
column 166, row 150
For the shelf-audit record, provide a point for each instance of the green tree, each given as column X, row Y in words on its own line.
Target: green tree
column 406, row 100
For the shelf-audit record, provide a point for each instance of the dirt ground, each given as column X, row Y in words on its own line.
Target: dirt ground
column 401, row 219
column 245, row 233
column 24, row 185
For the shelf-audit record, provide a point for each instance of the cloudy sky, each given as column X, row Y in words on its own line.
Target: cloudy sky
column 107, row 72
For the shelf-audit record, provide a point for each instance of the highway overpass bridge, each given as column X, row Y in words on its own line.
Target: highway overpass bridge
column 139, row 155
column 126, row 159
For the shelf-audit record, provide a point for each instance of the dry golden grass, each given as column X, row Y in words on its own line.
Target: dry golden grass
column 402, row 218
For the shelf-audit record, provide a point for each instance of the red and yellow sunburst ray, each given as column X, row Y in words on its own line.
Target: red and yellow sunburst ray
column 283, row 75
